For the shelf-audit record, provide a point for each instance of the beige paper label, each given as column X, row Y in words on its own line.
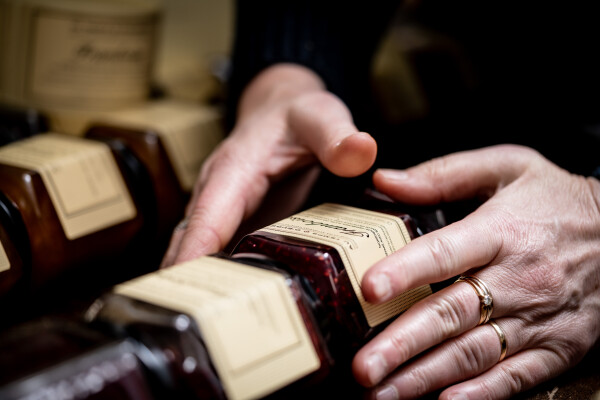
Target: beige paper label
column 82, row 179
column 362, row 238
column 4, row 261
column 189, row 131
column 249, row 320
column 80, row 59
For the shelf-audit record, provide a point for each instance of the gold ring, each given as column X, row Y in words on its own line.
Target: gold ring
column 502, row 337
column 486, row 300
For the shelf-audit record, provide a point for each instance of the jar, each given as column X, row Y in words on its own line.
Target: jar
column 229, row 328
column 78, row 199
column 63, row 358
column 333, row 245
column 20, row 122
column 81, row 54
column 14, row 248
column 171, row 138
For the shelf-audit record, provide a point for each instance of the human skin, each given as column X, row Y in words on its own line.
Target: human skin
column 287, row 123
column 535, row 242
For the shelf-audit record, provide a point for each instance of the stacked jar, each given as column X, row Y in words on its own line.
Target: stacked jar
column 333, row 245
column 73, row 54
column 80, row 201
column 271, row 320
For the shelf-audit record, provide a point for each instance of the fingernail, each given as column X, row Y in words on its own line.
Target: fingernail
column 375, row 368
column 387, row 393
column 382, row 287
column 394, row 174
column 458, row 396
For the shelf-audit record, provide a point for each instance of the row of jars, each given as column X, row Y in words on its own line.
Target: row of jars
column 119, row 187
column 276, row 315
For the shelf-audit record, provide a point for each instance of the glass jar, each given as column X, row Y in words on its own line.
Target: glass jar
column 14, row 248
column 81, row 54
column 229, row 328
column 171, row 138
column 60, row 358
column 333, row 245
column 20, row 122
column 79, row 200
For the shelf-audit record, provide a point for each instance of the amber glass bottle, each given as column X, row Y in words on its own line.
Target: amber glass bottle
column 171, row 138
column 59, row 358
column 81, row 54
column 332, row 245
column 14, row 248
column 20, row 122
column 77, row 199
column 236, row 328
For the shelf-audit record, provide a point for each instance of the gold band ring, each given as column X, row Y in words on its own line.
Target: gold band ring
column 502, row 337
column 486, row 300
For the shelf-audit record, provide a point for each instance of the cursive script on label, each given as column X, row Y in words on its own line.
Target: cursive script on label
column 340, row 229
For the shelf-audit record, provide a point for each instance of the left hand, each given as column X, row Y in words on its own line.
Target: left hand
column 287, row 126
column 535, row 243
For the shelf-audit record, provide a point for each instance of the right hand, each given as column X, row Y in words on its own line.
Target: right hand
column 287, row 122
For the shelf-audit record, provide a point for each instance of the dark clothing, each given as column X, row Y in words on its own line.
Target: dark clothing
column 533, row 77
column 336, row 39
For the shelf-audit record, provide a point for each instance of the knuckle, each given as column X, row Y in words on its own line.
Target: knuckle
column 449, row 314
column 486, row 390
column 518, row 376
column 441, row 250
column 515, row 379
column 420, row 380
column 314, row 100
column 205, row 235
column 401, row 346
column 435, row 168
column 471, row 356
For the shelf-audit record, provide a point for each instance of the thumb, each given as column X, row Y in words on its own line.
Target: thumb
column 323, row 123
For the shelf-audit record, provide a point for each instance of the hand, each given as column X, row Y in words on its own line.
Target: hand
column 287, row 122
column 535, row 243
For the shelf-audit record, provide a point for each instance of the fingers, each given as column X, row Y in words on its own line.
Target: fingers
column 442, row 254
column 456, row 176
column 470, row 243
column 469, row 355
column 267, row 146
column 174, row 243
column 324, row 124
column 228, row 194
column 446, row 314
column 511, row 240
column 473, row 359
column 514, row 375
